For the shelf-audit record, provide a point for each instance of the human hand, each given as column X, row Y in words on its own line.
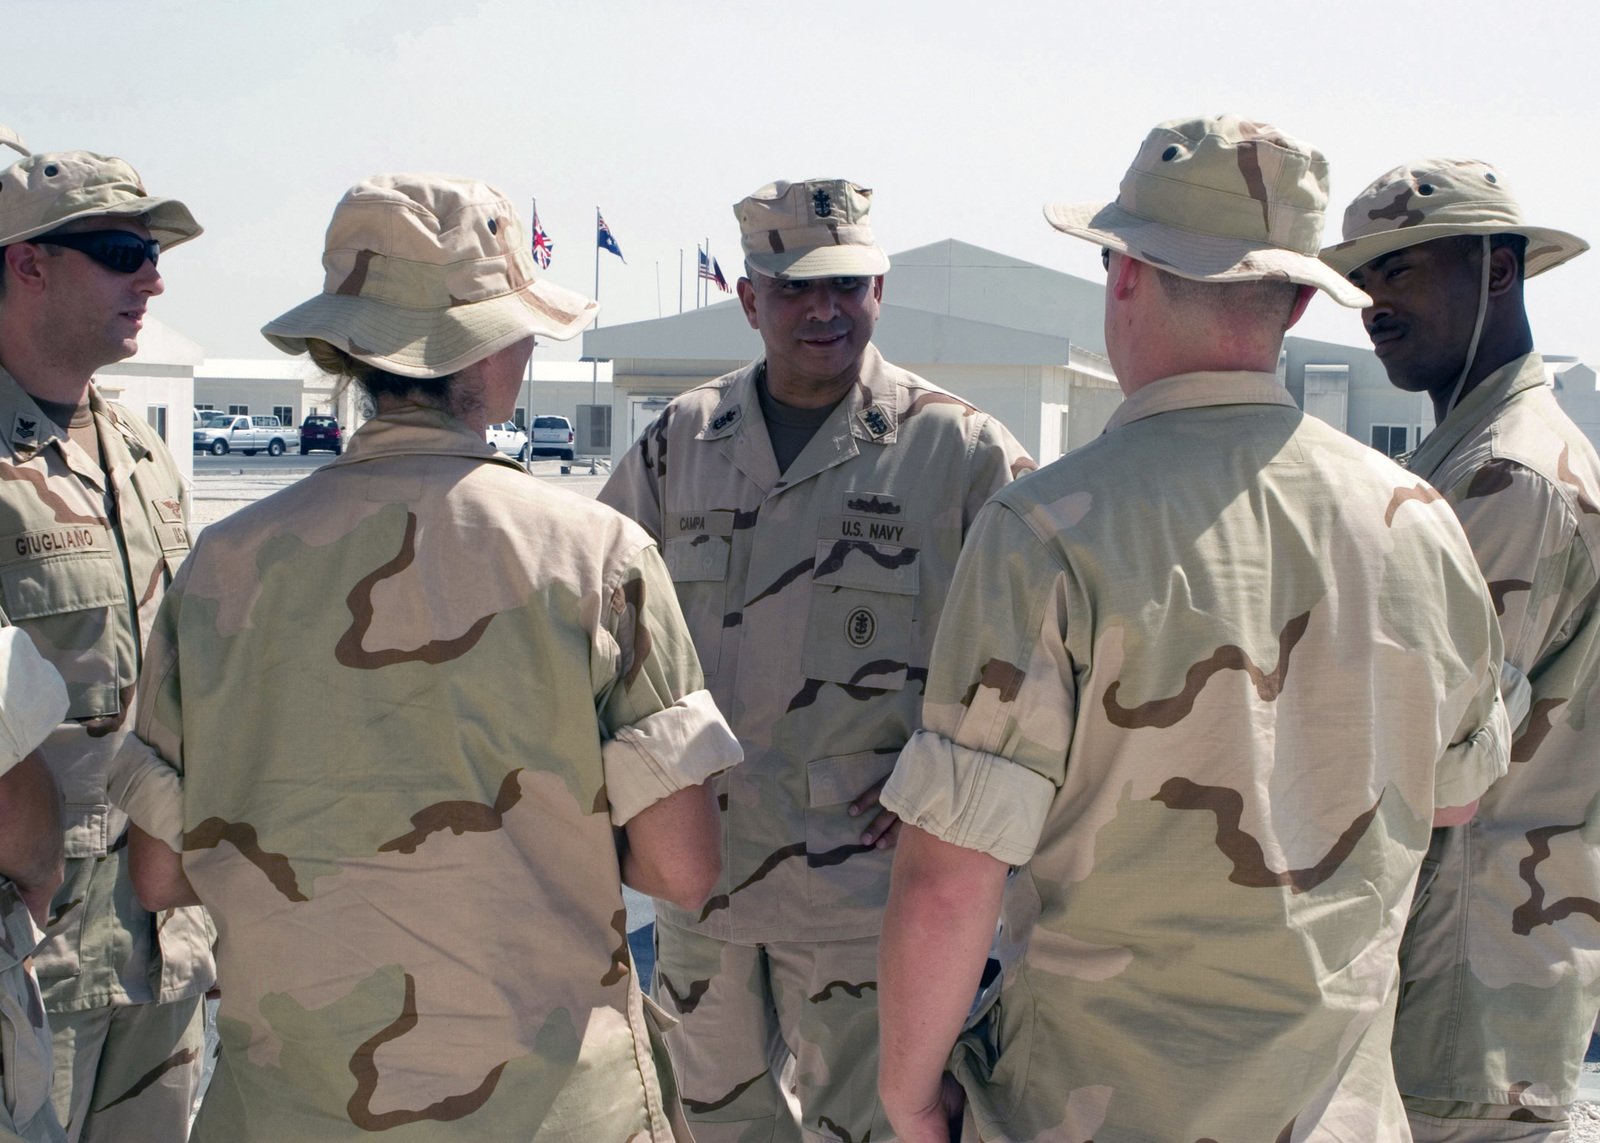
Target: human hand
column 884, row 828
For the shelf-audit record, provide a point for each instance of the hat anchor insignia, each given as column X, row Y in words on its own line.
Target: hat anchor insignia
column 822, row 203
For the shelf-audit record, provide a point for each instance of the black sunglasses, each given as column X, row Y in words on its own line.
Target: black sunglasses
column 1105, row 257
column 118, row 250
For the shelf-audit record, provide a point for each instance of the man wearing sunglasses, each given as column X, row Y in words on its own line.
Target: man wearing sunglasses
column 92, row 528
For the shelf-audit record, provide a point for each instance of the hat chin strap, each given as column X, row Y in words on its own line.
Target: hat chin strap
column 1477, row 329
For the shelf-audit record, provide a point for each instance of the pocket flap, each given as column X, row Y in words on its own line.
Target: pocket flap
column 87, row 829
column 693, row 558
column 843, row 777
column 866, row 565
column 60, row 584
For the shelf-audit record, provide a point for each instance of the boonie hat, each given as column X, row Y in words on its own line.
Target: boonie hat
column 1218, row 199
column 814, row 229
column 426, row 274
column 38, row 193
column 1438, row 198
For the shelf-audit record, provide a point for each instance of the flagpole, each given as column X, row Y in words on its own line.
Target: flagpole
column 594, row 364
column 658, row 287
column 680, row 279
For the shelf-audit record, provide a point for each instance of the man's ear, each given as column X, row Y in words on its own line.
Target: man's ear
column 747, row 300
column 25, row 265
column 1504, row 272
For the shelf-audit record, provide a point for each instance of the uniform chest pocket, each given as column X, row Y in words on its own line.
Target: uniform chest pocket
column 66, row 604
column 697, row 560
column 863, row 605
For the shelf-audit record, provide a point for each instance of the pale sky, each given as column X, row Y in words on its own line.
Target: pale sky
column 963, row 118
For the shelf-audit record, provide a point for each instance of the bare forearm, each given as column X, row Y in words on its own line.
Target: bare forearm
column 936, row 935
column 673, row 849
column 158, row 876
column 30, row 832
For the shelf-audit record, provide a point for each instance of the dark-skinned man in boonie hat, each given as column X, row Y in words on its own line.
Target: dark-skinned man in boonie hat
column 811, row 507
column 1501, row 963
column 1204, row 683
column 93, row 513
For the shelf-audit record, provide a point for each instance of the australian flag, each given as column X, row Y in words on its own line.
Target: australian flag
column 542, row 246
column 604, row 237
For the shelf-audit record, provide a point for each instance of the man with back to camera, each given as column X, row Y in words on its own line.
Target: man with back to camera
column 811, row 507
column 1206, row 683
column 92, row 510
column 1501, row 962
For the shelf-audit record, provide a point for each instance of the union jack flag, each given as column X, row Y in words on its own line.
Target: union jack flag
column 542, row 246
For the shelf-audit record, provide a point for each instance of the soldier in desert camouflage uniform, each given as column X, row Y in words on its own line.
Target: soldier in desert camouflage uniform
column 413, row 699
column 1501, row 964
column 1206, row 682
column 92, row 513
column 811, row 507
column 33, row 702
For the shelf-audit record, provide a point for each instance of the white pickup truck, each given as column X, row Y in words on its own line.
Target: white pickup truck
column 222, row 433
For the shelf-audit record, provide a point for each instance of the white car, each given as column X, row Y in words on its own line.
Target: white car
column 509, row 439
column 552, row 436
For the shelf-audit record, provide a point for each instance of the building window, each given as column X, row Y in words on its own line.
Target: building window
column 205, row 408
column 520, row 418
column 157, row 416
column 238, row 410
column 284, row 413
column 1390, row 440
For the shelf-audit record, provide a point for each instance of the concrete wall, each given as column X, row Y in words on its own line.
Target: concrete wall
column 148, row 390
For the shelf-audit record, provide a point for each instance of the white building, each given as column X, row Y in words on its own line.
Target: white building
column 1027, row 344
column 158, row 382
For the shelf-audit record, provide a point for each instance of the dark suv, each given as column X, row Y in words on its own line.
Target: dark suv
column 321, row 432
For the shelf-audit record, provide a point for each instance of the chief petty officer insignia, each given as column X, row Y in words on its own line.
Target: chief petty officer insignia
column 725, row 419
column 875, row 421
column 860, row 627
column 822, row 203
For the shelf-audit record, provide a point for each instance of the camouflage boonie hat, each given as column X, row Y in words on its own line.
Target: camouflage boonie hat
column 814, row 229
column 1438, row 198
column 426, row 274
column 38, row 193
column 1218, row 199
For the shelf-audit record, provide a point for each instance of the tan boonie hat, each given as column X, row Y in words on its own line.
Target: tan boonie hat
column 1218, row 199
column 38, row 193
column 814, row 229
column 1439, row 198
column 426, row 274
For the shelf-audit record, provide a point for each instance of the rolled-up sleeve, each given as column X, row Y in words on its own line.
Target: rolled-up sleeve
column 1001, row 698
column 665, row 752
column 33, row 699
column 967, row 798
column 662, row 731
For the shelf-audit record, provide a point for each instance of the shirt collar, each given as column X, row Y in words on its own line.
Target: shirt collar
column 870, row 407
column 1475, row 410
column 412, row 429
column 1200, row 390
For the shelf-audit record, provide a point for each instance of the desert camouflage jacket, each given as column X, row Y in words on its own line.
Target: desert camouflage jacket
column 1508, row 1021
column 1205, row 680
column 86, row 586
column 813, row 598
column 411, row 697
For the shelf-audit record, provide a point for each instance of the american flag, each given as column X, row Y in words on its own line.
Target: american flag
column 542, row 246
column 711, row 272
